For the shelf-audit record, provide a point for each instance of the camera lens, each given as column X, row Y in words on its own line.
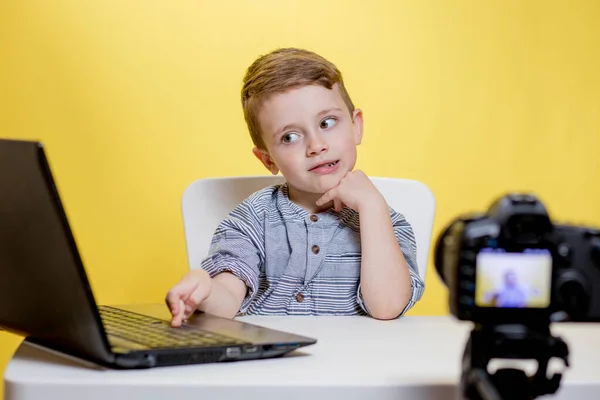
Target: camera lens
column 595, row 252
column 572, row 295
column 446, row 249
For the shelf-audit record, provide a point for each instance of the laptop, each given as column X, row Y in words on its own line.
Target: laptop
column 45, row 293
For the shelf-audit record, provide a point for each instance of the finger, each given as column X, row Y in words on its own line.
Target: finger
column 172, row 301
column 197, row 296
column 187, row 310
column 177, row 318
column 173, row 308
column 182, row 307
column 181, row 291
column 337, row 204
column 326, row 198
column 192, row 303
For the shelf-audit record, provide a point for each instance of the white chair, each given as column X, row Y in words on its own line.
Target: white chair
column 206, row 202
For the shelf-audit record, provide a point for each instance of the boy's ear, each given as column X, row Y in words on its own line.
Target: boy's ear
column 266, row 159
column 357, row 125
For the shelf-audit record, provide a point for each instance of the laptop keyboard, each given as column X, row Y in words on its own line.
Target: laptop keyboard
column 156, row 333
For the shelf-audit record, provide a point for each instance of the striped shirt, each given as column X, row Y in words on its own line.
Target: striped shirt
column 296, row 263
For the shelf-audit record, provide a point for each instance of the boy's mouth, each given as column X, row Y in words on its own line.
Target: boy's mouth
column 325, row 167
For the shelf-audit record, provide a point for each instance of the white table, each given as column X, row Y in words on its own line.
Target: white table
column 355, row 358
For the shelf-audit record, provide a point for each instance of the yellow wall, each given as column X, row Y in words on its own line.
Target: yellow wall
column 136, row 99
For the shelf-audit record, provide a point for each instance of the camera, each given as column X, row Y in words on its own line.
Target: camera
column 512, row 272
column 512, row 264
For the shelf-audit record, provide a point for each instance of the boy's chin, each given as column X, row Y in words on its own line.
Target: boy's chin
column 327, row 184
column 318, row 186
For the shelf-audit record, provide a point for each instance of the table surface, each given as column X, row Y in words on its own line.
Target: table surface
column 412, row 357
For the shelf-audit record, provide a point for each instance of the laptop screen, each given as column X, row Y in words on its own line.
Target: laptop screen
column 44, row 291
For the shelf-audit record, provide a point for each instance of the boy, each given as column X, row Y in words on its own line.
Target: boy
column 323, row 243
column 511, row 294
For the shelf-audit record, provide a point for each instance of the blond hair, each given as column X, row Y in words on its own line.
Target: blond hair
column 281, row 70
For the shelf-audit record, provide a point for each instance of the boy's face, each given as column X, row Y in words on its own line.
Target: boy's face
column 310, row 136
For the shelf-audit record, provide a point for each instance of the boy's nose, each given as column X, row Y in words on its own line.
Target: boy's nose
column 316, row 146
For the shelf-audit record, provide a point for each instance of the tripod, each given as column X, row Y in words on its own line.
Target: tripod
column 510, row 342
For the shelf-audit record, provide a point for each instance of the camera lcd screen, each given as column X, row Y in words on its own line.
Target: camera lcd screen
column 513, row 280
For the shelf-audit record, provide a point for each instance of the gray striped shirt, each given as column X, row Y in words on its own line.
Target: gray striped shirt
column 296, row 263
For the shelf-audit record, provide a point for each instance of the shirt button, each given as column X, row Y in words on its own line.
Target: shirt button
column 315, row 249
column 299, row 297
column 314, row 218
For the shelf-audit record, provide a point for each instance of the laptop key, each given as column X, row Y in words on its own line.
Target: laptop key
column 156, row 333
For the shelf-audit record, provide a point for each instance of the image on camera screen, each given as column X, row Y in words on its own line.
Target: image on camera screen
column 513, row 280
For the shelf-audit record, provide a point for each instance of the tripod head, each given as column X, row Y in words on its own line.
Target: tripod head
column 510, row 342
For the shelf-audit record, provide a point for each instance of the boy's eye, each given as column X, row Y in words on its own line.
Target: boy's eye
column 328, row 123
column 289, row 137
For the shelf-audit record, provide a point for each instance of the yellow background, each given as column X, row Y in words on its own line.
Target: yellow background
column 136, row 99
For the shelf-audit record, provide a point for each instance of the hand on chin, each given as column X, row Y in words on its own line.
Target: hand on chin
column 329, row 184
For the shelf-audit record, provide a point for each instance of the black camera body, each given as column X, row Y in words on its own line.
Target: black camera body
column 513, row 265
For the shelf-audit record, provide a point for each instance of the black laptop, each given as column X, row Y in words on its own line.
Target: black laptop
column 45, row 294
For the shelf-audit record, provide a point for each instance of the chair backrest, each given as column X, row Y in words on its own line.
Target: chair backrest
column 206, row 202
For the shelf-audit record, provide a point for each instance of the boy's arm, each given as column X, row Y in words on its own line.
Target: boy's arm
column 228, row 279
column 234, row 265
column 389, row 279
column 386, row 281
column 226, row 296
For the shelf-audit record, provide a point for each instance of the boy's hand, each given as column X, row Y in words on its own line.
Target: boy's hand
column 354, row 190
column 185, row 297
